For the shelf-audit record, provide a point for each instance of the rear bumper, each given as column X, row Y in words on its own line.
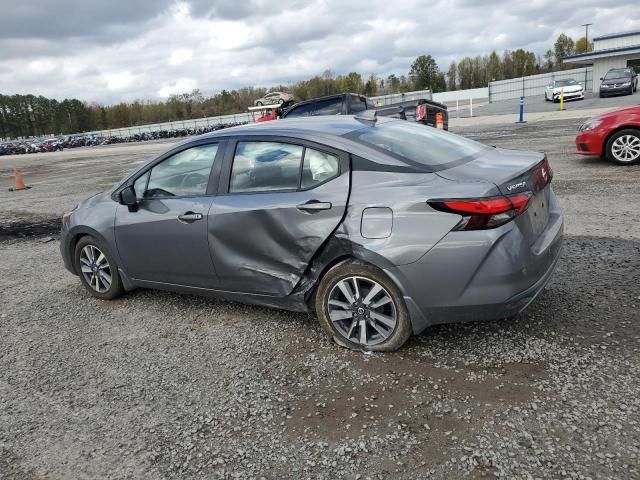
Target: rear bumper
column 480, row 275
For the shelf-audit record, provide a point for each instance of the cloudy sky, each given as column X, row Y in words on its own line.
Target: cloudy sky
column 114, row 50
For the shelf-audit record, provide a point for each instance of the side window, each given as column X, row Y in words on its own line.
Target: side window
column 328, row 107
column 318, row 167
column 184, row 174
column 265, row 166
column 140, row 185
column 358, row 104
column 300, row 111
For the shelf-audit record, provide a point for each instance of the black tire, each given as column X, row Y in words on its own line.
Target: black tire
column 258, row 104
column 115, row 288
column 368, row 273
column 281, row 101
column 609, row 146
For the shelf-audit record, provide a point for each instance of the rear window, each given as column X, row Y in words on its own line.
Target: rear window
column 419, row 144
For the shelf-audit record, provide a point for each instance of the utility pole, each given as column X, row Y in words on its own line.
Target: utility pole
column 586, row 33
column 586, row 38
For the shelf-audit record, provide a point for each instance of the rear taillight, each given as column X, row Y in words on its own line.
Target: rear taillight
column 421, row 112
column 484, row 213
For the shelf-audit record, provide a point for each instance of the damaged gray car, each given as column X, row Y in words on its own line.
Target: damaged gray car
column 381, row 226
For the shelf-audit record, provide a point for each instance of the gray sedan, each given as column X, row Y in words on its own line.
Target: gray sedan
column 380, row 226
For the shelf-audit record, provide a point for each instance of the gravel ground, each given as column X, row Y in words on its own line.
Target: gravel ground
column 159, row 385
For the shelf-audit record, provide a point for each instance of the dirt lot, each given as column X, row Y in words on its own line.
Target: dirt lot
column 159, row 385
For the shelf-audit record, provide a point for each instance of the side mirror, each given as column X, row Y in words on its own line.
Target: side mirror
column 128, row 196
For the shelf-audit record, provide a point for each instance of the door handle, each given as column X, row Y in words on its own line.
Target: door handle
column 190, row 217
column 314, row 206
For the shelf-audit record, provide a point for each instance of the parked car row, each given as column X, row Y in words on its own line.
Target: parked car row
column 617, row 81
column 72, row 141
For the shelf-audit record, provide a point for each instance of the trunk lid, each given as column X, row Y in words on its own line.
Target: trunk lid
column 512, row 172
column 509, row 170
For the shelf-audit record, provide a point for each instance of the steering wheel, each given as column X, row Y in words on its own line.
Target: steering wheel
column 192, row 179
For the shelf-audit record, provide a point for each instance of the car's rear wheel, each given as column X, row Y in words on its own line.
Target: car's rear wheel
column 281, row 101
column 361, row 308
column 96, row 269
column 258, row 104
column 623, row 147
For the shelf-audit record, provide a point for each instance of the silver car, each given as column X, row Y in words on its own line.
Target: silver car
column 274, row 98
column 381, row 226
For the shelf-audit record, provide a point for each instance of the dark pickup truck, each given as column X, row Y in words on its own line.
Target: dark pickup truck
column 421, row 110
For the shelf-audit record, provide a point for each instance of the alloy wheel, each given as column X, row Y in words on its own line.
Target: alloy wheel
column 626, row 148
column 95, row 268
column 362, row 310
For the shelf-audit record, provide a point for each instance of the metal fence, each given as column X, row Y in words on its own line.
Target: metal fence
column 175, row 125
column 536, row 84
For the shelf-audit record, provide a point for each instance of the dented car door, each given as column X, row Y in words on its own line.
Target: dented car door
column 279, row 200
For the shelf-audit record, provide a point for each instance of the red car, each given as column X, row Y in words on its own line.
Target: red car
column 614, row 135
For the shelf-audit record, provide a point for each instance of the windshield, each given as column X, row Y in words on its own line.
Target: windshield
column 617, row 74
column 566, row 83
column 415, row 143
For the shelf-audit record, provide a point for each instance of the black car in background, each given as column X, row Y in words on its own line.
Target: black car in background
column 619, row 81
column 421, row 110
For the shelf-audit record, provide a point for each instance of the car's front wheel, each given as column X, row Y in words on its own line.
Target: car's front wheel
column 97, row 269
column 361, row 308
column 623, row 147
column 258, row 104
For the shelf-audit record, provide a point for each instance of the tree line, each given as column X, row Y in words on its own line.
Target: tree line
column 31, row 115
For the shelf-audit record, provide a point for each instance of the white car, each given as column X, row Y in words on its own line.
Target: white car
column 572, row 90
column 274, row 98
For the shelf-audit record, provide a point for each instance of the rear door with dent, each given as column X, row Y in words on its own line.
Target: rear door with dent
column 278, row 201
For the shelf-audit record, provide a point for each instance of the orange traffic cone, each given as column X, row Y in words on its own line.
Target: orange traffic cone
column 19, row 181
column 439, row 121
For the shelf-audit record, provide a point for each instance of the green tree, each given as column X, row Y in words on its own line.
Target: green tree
column 494, row 67
column 563, row 47
column 393, row 83
column 424, row 72
column 452, row 75
column 371, row 87
column 582, row 46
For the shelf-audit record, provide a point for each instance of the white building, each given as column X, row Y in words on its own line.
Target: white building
column 616, row 50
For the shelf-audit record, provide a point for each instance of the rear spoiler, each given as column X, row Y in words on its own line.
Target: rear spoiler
column 371, row 116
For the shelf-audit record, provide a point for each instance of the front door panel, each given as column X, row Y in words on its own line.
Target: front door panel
column 157, row 246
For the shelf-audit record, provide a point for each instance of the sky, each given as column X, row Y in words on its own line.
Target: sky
column 110, row 51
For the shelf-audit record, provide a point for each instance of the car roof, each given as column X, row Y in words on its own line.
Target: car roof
column 321, row 125
column 329, row 130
